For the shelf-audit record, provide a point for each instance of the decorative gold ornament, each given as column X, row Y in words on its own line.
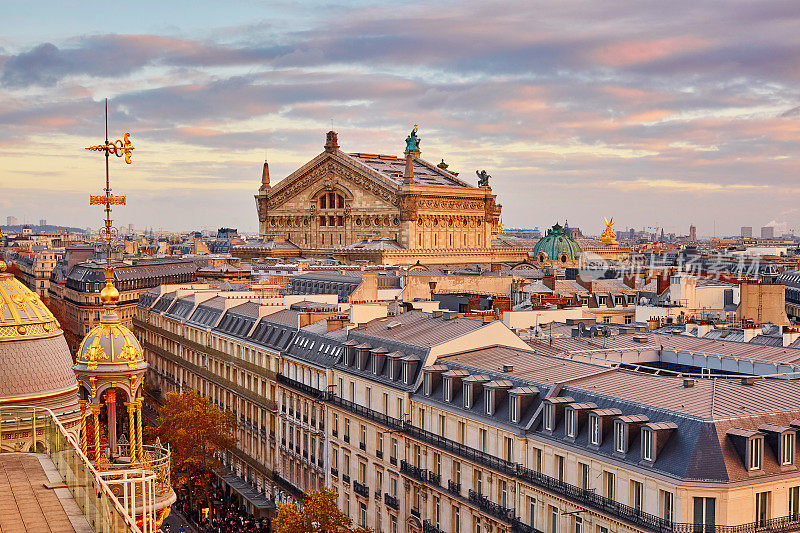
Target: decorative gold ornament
column 120, row 148
column 95, row 354
column 609, row 236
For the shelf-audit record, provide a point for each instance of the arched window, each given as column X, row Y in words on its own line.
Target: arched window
column 323, row 201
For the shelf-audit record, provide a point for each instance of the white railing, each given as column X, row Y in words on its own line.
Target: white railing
column 92, row 490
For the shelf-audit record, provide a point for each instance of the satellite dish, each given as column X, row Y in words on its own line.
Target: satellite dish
column 537, row 331
column 593, row 331
column 642, row 301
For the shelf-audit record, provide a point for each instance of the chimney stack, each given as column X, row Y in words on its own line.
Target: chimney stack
column 408, row 174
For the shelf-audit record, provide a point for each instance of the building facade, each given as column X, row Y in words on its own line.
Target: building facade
column 341, row 199
column 435, row 422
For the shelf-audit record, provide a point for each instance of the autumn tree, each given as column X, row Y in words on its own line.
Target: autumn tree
column 195, row 430
column 317, row 514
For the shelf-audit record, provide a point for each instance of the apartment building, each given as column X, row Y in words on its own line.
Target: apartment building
column 435, row 422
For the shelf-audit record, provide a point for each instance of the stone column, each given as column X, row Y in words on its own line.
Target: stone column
column 84, row 447
column 132, row 429
column 96, row 417
column 111, row 404
column 139, row 440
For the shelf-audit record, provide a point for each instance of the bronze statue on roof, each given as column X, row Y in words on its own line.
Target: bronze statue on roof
column 483, row 178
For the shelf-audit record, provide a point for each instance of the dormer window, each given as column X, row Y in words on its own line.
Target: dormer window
column 513, row 407
column 427, row 384
column 375, row 365
column 756, row 453
column 467, row 395
column 570, row 423
column 648, row 443
column 787, row 449
column 406, row 373
column 619, row 437
column 594, row 430
column 549, row 417
column 489, row 401
column 448, row 389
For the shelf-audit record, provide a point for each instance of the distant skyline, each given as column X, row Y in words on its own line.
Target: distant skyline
column 658, row 114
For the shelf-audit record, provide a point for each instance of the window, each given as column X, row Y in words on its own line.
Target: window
column 477, row 520
column 457, row 472
column 647, row 444
column 514, row 408
column 637, row 493
column 578, row 524
column 667, row 505
column 436, row 511
column 394, row 524
column 619, row 436
column 478, row 481
column 560, row 467
column 363, row 515
column 467, row 396
column 427, row 384
column 762, row 507
column 705, row 511
column 483, row 439
column 509, row 449
column 462, row 432
column 385, row 403
column 379, row 444
column 394, row 450
column 489, row 401
column 756, row 447
column 532, row 511
column 794, row 501
column 548, row 416
column 570, row 426
column 448, row 393
column 553, row 520
column 406, row 373
column 442, row 426
column 538, row 454
column 609, row 484
column 456, row 519
column 583, row 468
column 787, row 448
column 437, row 463
column 503, row 493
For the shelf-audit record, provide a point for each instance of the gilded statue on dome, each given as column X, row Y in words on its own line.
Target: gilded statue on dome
column 609, row 236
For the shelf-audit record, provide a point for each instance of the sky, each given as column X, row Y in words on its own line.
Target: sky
column 655, row 113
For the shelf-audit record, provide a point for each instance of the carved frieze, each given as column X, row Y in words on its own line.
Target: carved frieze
column 328, row 172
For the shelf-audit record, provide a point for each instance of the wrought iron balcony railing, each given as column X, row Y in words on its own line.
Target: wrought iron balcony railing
column 413, row 471
column 391, row 501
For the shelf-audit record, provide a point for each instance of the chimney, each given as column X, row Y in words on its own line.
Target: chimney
column 585, row 283
column 331, row 142
column 549, row 281
column 662, row 283
column 629, row 280
column 265, row 186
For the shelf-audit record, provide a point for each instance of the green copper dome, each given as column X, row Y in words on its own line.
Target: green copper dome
column 556, row 245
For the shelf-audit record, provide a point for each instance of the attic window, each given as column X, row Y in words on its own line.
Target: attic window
column 489, row 402
column 647, row 444
column 756, row 453
column 548, row 417
column 619, row 436
column 448, row 389
column 514, row 408
column 406, row 372
column 427, row 384
column 467, row 395
column 570, row 423
column 594, row 430
column 787, row 449
column 375, row 365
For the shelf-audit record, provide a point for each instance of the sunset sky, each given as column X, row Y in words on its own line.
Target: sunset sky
column 653, row 112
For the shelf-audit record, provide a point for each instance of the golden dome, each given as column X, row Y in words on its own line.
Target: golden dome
column 23, row 315
column 109, row 343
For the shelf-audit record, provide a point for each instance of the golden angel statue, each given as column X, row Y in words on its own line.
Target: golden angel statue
column 609, row 236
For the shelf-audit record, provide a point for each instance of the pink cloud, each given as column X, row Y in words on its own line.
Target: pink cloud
column 634, row 52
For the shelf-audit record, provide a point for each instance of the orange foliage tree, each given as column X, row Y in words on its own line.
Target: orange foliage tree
column 318, row 514
column 195, row 430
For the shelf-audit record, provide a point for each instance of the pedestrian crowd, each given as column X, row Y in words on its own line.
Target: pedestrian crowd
column 224, row 516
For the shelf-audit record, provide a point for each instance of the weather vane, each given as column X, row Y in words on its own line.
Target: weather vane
column 120, row 148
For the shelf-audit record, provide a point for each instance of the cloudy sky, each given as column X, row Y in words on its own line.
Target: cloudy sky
column 656, row 113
